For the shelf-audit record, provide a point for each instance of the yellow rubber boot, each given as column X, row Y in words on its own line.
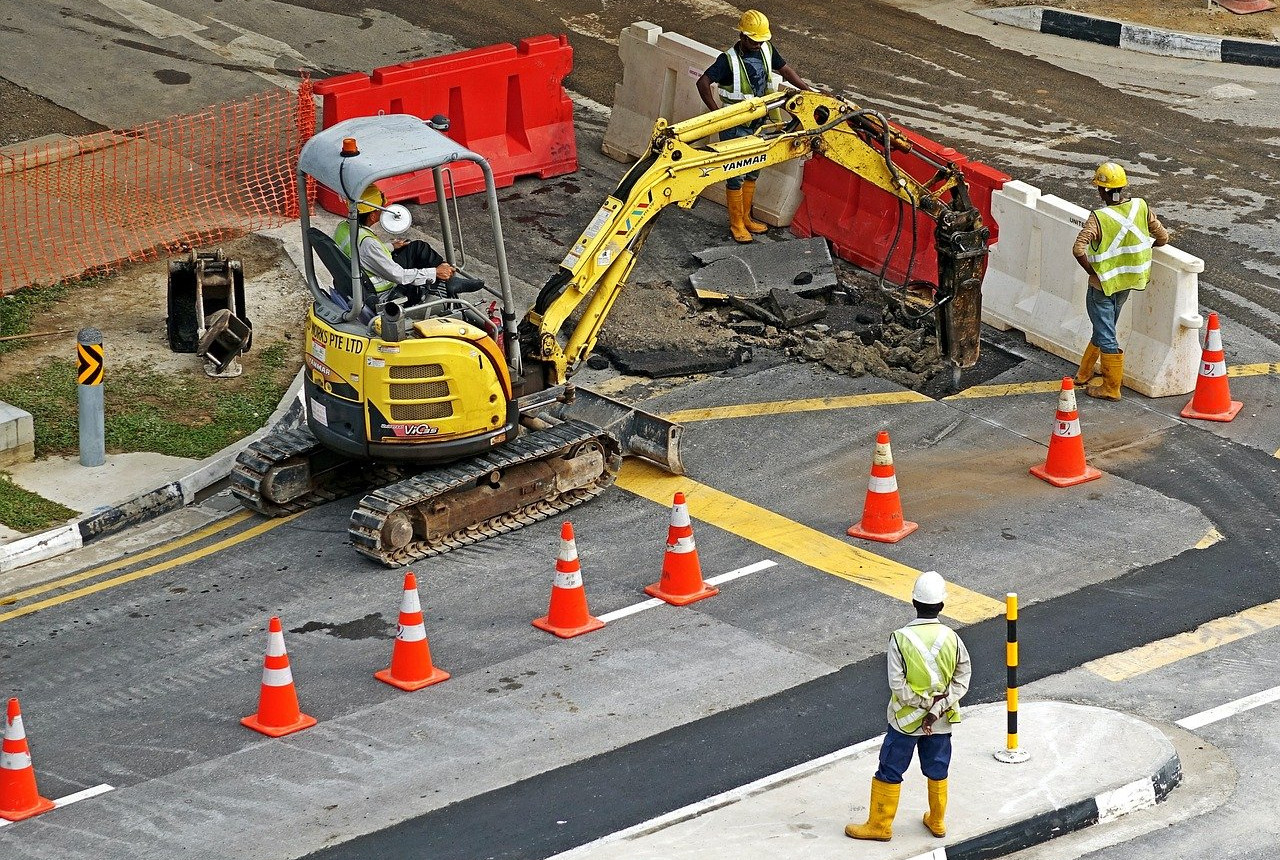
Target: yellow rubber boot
column 934, row 818
column 733, row 201
column 1088, row 364
column 884, row 806
column 1108, row 387
column 748, row 195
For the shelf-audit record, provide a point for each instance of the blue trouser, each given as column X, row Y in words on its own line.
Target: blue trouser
column 733, row 183
column 896, row 751
column 1103, row 312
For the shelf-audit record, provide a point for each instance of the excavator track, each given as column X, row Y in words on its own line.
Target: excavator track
column 252, row 474
column 415, row 497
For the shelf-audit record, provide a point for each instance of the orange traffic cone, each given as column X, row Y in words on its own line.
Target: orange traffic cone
column 411, row 667
column 1065, row 465
column 681, row 581
column 18, row 796
column 278, row 712
column 567, row 616
column 1212, row 398
column 882, row 511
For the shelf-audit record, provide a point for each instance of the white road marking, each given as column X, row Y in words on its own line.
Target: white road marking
column 1230, row 709
column 714, row 580
column 84, row 794
column 725, row 798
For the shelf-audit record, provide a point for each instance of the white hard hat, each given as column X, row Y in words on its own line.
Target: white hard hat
column 930, row 588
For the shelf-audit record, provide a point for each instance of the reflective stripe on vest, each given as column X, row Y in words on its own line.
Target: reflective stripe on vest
column 930, row 652
column 342, row 237
column 740, row 87
column 1123, row 257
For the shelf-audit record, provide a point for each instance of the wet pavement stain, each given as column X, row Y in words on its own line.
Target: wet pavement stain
column 372, row 626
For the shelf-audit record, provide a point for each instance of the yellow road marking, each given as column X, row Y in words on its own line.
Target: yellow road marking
column 1211, row 537
column 1253, row 369
column 807, row 546
column 1210, row 635
column 194, row 555
column 201, row 534
column 813, row 404
column 1003, row 390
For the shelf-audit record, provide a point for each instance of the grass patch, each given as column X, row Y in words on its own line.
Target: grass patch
column 28, row 512
column 179, row 415
column 19, row 308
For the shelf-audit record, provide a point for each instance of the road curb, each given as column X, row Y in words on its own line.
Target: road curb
column 70, row 537
column 1107, row 806
column 1133, row 37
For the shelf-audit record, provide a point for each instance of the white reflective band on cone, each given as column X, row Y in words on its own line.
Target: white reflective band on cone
column 569, row 579
column 275, row 644
column 13, row 730
column 15, row 761
column 1213, row 340
column 679, row 515
column 883, row 455
column 276, row 677
column 1213, row 368
column 684, row 544
column 410, row 602
column 412, row 633
column 1067, row 428
column 1067, row 400
column 883, row 485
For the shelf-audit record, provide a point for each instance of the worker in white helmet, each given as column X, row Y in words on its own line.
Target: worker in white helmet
column 929, row 672
column 1114, row 247
column 742, row 72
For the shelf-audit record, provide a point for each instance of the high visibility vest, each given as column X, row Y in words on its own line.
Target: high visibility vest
column 930, row 653
column 740, row 87
column 342, row 238
column 1122, row 256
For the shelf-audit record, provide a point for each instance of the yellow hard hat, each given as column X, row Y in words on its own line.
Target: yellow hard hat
column 370, row 200
column 754, row 25
column 1110, row 175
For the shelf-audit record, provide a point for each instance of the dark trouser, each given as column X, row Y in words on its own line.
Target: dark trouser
column 1103, row 311
column 896, row 751
column 417, row 255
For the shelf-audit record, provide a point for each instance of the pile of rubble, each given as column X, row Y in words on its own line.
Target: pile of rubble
column 791, row 297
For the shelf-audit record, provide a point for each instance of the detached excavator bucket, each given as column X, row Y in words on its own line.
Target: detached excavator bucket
column 641, row 434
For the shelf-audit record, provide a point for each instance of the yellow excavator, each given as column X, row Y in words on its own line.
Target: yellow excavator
column 459, row 424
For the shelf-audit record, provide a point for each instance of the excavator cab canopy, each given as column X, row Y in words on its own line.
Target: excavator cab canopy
column 386, row 146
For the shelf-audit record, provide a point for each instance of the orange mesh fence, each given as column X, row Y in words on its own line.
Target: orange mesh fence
column 86, row 204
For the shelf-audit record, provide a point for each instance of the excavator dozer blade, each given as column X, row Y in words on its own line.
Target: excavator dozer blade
column 640, row 433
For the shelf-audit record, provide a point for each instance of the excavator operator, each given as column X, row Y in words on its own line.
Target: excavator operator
column 742, row 72
column 411, row 268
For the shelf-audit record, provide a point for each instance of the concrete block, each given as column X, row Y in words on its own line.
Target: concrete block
column 17, row 435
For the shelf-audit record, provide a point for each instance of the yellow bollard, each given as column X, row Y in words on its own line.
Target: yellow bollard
column 1011, row 754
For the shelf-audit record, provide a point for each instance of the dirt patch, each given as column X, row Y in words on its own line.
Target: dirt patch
column 130, row 308
column 1181, row 16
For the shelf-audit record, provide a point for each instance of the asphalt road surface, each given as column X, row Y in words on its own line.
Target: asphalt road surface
column 135, row 672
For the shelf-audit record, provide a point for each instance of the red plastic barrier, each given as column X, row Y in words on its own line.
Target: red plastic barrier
column 504, row 102
column 860, row 219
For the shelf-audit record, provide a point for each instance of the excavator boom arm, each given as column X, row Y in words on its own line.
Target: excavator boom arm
column 680, row 164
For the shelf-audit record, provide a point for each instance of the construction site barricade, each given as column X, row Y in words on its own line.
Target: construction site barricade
column 659, row 81
column 1034, row 284
column 505, row 102
column 867, row 225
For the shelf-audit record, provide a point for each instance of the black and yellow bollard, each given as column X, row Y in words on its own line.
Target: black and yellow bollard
column 93, row 450
column 1011, row 754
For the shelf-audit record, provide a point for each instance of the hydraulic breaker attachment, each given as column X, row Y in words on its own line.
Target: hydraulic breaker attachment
column 961, row 243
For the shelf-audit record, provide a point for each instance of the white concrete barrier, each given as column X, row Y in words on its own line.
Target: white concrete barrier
column 1035, row 285
column 659, row 81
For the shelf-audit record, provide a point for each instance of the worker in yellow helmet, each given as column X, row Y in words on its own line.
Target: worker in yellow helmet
column 742, row 72
column 413, row 268
column 1114, row 247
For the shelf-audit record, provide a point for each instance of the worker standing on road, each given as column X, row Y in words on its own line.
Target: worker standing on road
column 929, row 672
column 742, row 72
column 409, row 265
column 1115, row 249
